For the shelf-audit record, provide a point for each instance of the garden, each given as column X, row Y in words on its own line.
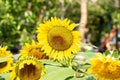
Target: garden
column 59, row 40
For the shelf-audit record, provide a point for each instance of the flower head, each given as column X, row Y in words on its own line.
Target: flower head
column 104, row 67
column 27, row 68
column 58, row 38
column 5, row 64
column 4, row 52
column 33, row 49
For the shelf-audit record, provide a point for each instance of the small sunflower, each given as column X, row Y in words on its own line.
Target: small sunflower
column 58, row 38
column 104, row 67
column 27, row 68
column 5, row 65
column 33, row 49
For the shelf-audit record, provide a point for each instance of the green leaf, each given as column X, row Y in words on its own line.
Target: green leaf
column 115, row 54
column 5, row 76
column 107, row 52
column 4, row 59
column 90, row 77
column 86, row 55
column 1, row 78
column 57, row 73
column 16, row 56
column 50, row 62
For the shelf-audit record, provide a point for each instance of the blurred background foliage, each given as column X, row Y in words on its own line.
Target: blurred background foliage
column 19, row 18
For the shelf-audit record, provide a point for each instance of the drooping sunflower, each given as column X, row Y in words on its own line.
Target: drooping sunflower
column 33, row 49
column 6, row 60
column 58, row 38
column 104, row 67
column 27, row 68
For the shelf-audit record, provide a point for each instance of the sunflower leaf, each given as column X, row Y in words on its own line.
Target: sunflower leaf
column 50, row 62
column 4, row 59
column 115, row 54
column 4, row 76
column 90, row 77
column 87, row 56
column 16, row 56
column 57, row 73
column 107, row 52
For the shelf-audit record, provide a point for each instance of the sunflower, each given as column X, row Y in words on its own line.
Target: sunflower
column 58, row 38
column 27, row 68
column 6, row 60
column 104, row 67
column 33, row 49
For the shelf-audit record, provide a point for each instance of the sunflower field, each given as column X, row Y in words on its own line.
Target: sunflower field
column 41, row 40
column 57, row 55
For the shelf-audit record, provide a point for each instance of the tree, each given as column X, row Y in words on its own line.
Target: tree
column 83, row 17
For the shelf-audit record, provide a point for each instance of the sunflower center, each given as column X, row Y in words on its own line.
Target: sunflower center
column 3, row 64
column 37, row 54
column 60, row 38
column 29, row 72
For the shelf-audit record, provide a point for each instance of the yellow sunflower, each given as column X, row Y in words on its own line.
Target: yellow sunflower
column 104, row 67
column 58, row 38
column 6, row 60
column 33, row 49
column 27, row 68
